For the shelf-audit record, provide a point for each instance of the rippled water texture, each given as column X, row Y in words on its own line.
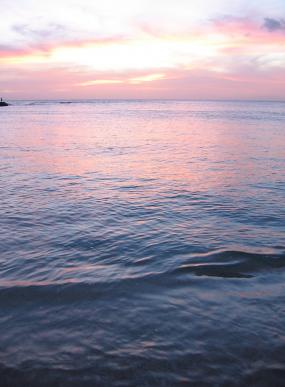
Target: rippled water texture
column 142, row 244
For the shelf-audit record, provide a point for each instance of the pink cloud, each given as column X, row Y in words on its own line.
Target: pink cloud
column 243, row 42
column 195, row 84
column 248, row 31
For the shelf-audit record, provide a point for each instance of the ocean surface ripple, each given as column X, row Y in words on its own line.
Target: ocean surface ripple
column 142, row 243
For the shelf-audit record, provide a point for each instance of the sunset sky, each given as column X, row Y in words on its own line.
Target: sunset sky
column 207, row 49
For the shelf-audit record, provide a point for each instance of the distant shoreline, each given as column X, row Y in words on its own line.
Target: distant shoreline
column 66, row 100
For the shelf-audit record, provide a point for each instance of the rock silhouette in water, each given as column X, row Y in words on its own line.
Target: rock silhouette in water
column 3, row 103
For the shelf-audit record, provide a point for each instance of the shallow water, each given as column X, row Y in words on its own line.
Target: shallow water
column 142, row 243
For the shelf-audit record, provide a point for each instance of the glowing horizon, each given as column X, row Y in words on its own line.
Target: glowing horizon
column 134, row 49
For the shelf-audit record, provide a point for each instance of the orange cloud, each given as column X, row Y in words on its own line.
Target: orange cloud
column 11, row 53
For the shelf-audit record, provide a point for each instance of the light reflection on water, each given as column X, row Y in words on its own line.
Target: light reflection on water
column 142, row 243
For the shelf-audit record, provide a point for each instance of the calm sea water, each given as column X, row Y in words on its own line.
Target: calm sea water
column 142, row 243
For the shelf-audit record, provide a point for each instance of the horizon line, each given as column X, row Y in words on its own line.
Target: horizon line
column 148, row 99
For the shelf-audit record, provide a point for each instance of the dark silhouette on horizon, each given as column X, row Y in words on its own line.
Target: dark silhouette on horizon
column 3, row 103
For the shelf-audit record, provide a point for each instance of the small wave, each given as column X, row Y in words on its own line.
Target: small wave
column 223, row 264
column 13, row 292
column 232, row 264
column 50, row 293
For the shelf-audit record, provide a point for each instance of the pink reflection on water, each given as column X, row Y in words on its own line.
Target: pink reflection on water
column 141, row 143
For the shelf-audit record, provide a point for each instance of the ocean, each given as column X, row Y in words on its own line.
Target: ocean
column 142, row 243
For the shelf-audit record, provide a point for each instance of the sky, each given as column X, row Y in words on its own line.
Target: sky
column 202, row 49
